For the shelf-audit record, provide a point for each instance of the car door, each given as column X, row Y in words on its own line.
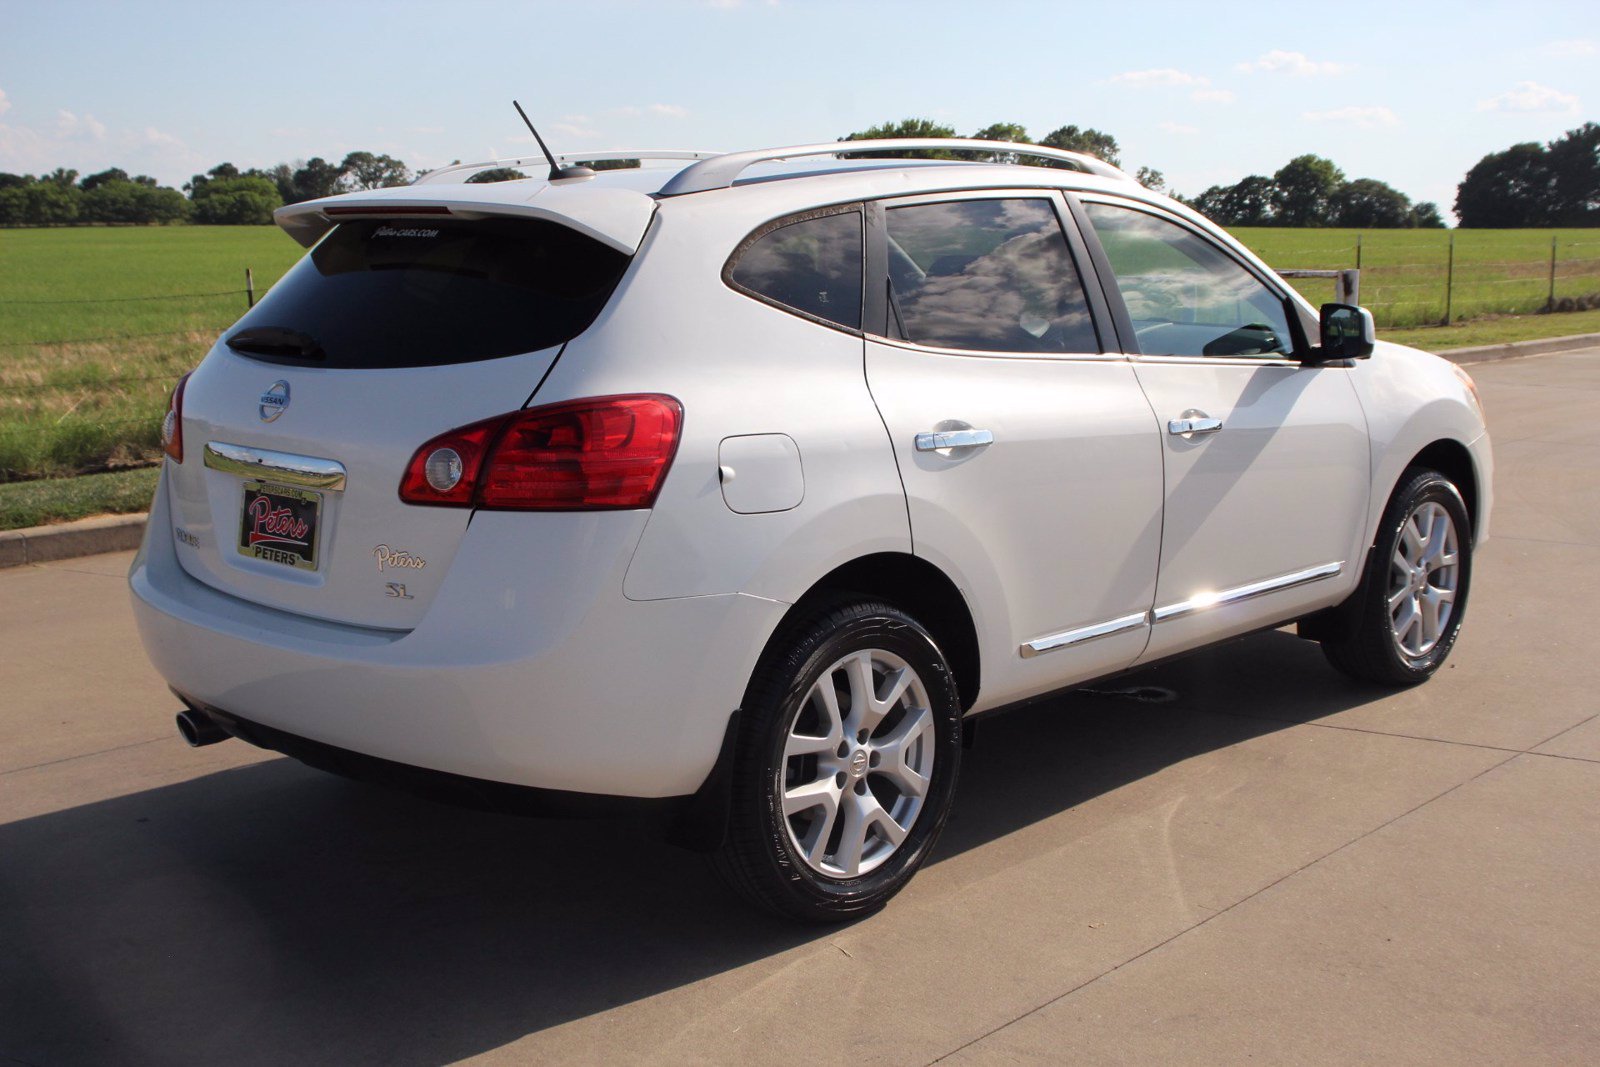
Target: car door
column 1029, row 455
column 1266, row 458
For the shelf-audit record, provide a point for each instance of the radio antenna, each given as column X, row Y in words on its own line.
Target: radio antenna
column 557, row 171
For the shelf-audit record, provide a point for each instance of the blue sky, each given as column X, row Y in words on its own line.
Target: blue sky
column 1412, row 94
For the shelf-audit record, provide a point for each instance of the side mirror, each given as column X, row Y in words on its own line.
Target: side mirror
column 1347, row 333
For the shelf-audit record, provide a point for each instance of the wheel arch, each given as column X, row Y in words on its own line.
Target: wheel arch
column 918, row 588
column 1452, row 459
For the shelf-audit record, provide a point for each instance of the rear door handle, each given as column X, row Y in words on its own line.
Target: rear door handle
column 941, row 439
column 1192, row 424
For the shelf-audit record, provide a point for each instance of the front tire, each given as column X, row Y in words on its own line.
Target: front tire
column 846, row 764
column 1414, row 593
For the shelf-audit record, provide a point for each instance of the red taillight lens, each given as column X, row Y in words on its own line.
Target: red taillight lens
column 172, row 424
column 583, row 455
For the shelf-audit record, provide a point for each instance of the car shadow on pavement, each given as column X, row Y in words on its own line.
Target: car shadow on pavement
column 272, row 913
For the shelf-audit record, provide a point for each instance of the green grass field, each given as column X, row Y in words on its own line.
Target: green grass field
column 1403, row 272
column 96, row 323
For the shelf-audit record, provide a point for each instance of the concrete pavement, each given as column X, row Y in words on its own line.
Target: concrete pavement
column 1279, row 864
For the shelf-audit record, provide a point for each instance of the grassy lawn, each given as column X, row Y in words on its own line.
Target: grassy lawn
column 1495, row 331
column 1403, row 272
column 51, row 500
column 97, row 323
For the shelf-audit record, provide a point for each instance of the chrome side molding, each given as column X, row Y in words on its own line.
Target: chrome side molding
column 1031, row 649
column 285, row 467
column 1247, row 592
column 1066, row 638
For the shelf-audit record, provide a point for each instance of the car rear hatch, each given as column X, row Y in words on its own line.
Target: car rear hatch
column 408, row 319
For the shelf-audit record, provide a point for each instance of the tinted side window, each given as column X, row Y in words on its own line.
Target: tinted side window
column 414, row 293
column 813, row 266
column 991, row 275
column 1185, row 295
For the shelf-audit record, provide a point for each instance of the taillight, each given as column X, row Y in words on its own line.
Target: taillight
column 608, row 452
column 172, row 424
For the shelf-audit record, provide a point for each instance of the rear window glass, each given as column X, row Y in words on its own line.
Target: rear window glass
column 812, row 266
column 420, row 292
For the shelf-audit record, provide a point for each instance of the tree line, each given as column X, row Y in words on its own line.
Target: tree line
column 223, row 195
column 1527, row 185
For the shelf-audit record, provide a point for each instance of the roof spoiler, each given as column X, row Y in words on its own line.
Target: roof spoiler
column 721, row 171
column 455, row 170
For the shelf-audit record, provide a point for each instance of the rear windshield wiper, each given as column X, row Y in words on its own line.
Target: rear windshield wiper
column 276, row 341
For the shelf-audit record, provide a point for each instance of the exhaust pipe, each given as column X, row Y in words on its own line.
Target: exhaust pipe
column 200, row 729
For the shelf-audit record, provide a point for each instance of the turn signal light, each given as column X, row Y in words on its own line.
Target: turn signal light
column 172, row 423
column 600, row 453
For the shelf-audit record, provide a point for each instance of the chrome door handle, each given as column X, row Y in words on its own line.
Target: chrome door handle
column 1194, row 424
column 933, row 442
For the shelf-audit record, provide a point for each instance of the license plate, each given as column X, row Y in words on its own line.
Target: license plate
column 279, row 524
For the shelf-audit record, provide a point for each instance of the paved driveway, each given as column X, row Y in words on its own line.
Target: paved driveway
column 1278, row 865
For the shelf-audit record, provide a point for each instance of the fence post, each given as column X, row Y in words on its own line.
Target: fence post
column 1550, row 304
column 1349, row 287
column 1449, row 280
column 249, row 288
column 1358, row 251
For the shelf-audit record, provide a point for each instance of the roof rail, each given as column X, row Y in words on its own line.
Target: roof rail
column 720, row 172
column 441, row 173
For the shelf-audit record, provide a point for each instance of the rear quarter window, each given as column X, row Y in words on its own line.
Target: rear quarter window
column 415, row 293
column 811, row 265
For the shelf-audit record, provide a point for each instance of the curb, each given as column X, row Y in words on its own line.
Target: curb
column 1516, row 349
column 118, row 533
column 86, row 537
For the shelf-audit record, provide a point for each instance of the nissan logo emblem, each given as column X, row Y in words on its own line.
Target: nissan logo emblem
column 274, row 400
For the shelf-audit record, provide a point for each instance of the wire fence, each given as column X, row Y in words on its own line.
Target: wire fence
column 1461, row 283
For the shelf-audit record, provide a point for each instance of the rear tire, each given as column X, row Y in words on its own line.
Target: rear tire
column 1414, row 593
column 845, row 767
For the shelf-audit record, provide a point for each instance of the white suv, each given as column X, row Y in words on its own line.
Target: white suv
column 729, row 488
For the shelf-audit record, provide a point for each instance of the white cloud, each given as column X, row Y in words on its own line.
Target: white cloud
column 1177, row 128
column 1568, row 49
column 5, row 105
column 1532, row 97
column 1298, row 64
column 1163, row 76
column 573, row 129
column 671, row 111
column 70, row 126
column 1212, row 96
column 1365, row 117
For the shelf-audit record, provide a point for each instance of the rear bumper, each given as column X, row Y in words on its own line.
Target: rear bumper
column 523, row 673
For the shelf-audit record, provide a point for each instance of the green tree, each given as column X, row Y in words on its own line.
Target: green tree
column 1152, row 179
column 199, row 181
column 52, row 202
column 1506, row 190
column 1303, row 191
column 1575, row 176
column 1369, row 203
column 94, row 181
column 1425, row 216
column 14, row 181
column 1014, row 132
column 496, row 174
column 241, row 201
column 314, row 180
column 921, row 128
column 61, row 176
column 365, row 170
column 1089, row 141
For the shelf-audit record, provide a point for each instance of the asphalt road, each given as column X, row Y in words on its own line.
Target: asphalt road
column 1278, row 865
